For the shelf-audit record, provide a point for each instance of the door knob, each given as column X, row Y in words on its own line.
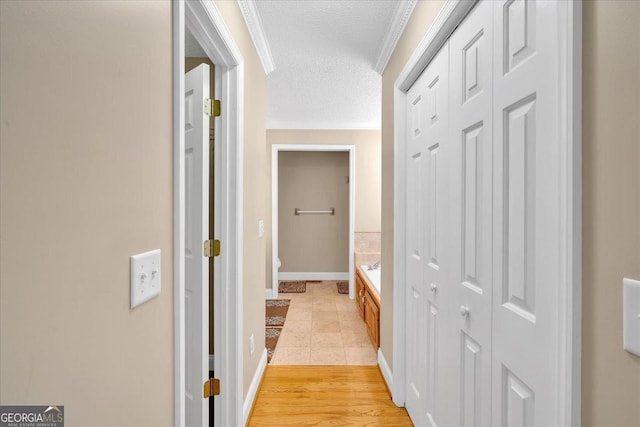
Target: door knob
column 433, row 287
column 464, row 311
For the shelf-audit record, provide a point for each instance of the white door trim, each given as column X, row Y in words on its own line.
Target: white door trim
column 570, row 241
column 275, row 149
column 205, row 22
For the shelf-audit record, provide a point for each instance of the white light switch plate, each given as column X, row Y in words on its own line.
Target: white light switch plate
column 145, row 277
column 631, row 316
column 260, row 228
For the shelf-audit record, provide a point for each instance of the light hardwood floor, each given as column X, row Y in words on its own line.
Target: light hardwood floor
column 323, row 327
column 325, row 396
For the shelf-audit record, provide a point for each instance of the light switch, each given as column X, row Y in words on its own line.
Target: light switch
column 145, row 277
column 631, row 316
column 260, row 228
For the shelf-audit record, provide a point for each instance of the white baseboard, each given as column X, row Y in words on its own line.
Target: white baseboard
column 268, row 293
column 384, row 368
column 253, row 388
column 313, row 276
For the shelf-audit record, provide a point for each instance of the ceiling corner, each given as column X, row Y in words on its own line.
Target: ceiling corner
column 258, row 36
column 398, row 22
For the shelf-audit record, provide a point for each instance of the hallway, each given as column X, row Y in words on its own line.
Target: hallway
column 326, row 396
column 495, row 155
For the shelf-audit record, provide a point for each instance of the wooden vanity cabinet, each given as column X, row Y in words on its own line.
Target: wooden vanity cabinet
column 360, row 291
column 372, row 319
column 368, row 306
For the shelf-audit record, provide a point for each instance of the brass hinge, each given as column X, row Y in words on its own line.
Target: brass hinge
column 212, row 107
column 211, row 388
column 211, row 248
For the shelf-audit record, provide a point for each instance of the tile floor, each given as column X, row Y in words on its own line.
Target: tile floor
column 323, row 327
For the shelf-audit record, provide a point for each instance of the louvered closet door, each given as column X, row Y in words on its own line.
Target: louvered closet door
column 526, row 214
column 471, row 129
column 427, row 107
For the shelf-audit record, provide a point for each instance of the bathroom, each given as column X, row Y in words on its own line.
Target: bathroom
column 327, row 329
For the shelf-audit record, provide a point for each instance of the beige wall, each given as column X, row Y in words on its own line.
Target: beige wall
column 313, row 181
column 611, row 205
column 85, row 182
column 368, row 175
column 611, row 208
column 254, row 188
column 421, row 19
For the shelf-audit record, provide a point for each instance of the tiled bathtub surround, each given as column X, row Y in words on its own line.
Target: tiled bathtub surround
column 366, row 259
column 368, row 242
column 367, row 248
column 323, row 327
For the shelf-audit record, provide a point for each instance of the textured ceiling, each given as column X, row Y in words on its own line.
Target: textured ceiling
column 324, row 53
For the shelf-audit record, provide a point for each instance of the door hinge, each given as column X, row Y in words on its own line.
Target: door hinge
column 211, row 248
column 211, row 388
column 212, row 107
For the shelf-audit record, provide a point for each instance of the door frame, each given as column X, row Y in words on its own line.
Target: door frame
column 277, row 148
column 207, row 25
column 570, row 241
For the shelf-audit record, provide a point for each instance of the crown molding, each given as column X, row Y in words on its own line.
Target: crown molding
column 258, row 36
column 401, row 16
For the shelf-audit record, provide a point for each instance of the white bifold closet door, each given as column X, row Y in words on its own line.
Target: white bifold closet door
column 470, row 199
column 427, row 139
column 482, row 223
column 526, row 214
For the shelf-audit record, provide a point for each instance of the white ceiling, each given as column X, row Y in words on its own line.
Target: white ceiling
column 324, row 53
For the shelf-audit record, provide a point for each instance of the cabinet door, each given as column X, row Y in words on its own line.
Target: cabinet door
column 360, row 295
column 372, row 319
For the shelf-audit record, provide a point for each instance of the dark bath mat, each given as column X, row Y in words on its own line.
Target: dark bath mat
column 343, row 287
column 276, row 312
column 275, row 315
column 295, row 287
column 271, row 336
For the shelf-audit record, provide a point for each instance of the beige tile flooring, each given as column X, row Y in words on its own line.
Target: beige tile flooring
column 323, row 327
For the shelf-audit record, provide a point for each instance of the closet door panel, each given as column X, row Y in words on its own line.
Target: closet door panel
column 436, row 219
column 526, row 214
column 470, row 134
column 415, row 290
column 427, row 107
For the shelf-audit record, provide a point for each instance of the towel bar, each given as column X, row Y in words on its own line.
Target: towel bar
column 330, row 211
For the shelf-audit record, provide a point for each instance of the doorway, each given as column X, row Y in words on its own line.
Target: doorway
column 323, row 323
column 205, row 23
column 275, row 151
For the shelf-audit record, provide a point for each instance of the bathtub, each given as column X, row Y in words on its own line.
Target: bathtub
column 373, row 276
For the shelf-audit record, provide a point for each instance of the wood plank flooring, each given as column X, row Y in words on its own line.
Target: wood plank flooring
column 325, row 396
